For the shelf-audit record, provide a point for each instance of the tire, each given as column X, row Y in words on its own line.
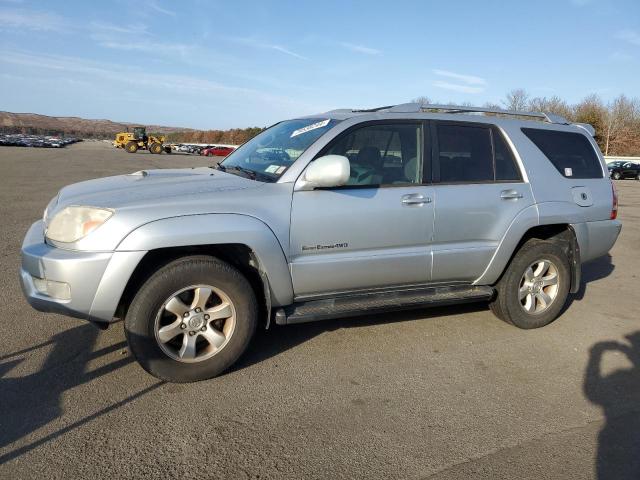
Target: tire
column 144, row 321
column 616, row 176
column 155, row 148
column 638, row 176
column 131, row 147
column 528, row 312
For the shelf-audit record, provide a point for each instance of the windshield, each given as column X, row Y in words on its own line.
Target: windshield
column 267, row 156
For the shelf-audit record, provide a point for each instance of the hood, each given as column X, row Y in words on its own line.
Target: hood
column 152, row 186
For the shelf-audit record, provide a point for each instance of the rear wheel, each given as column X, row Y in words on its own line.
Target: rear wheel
column 191, row 320
column 155, row 148
column 534, row 287
column 131, row 147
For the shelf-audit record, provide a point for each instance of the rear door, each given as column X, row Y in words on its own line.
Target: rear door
column 478, row 192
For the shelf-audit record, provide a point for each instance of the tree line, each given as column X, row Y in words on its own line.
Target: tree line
column 617, row 122
column 234, row 136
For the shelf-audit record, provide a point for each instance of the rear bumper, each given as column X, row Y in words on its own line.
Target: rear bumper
column 596, row 238
column 92, row 282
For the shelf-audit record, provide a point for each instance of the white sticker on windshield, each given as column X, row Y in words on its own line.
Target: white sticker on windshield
column 308, row 128
column 568, row 172
column 272, row 168
column 280, row 170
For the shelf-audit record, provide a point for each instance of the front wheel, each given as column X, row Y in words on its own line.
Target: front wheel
column 534, row 287
column 155, row 148
column 191, row 320
column 616, row 176
column 131, row 147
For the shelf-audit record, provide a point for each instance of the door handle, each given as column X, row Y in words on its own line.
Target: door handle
column 510, row 195
column 415, row 199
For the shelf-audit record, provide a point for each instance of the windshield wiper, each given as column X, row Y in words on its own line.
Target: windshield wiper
column 251, row 174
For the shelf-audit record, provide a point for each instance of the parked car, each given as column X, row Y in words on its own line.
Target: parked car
column 626, row 170
column 343, row 213
column 615, row 163
column 37, row 141
column 217, row 151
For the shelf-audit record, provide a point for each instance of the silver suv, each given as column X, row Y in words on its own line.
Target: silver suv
column 343, row 213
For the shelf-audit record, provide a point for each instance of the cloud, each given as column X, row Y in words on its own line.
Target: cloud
column 134, row 38
column 269, row 46
column 457, row 88
column 31, row 20
column 79, row 69
column 468, row 79
column 466, row 83
column 132, row 29
column 620, row 57
column 284, row 50
column 158, row 8
column 148, row 47
column 360, row 48
column 630, row 36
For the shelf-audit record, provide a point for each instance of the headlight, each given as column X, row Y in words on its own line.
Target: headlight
column 73, row 223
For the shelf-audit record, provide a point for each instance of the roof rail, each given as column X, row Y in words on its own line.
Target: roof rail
column 416, row 107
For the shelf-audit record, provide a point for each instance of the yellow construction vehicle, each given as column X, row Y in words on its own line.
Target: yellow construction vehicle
column 139, row 139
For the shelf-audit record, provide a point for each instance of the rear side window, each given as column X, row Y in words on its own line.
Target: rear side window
column 571, row 153
column 472, row 154
column 464, row 154
column 506, row 169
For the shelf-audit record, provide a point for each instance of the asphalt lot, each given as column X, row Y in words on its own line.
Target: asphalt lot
column 441, row 394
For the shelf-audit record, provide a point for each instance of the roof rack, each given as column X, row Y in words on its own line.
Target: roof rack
column 416, row 107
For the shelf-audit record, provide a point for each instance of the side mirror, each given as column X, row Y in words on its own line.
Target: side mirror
column 327, row 171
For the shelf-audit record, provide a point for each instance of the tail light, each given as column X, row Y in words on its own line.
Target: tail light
column 614, row 205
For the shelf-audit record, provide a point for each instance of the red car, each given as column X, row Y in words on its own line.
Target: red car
column 217, row 151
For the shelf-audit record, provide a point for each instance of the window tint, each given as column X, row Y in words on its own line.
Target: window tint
column 382, row 154
column 571, row 153
column 464, row 153
column 505, row 163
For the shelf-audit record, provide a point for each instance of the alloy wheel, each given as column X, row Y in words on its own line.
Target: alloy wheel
column 195, row 323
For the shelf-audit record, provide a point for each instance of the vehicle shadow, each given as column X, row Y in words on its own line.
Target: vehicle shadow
column 594, row 270
column 30, row 402
column 618, row 394
column 279, row 339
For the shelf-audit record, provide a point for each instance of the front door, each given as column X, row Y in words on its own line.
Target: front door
column 376, row 230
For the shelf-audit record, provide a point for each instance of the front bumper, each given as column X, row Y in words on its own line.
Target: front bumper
column 95, row 280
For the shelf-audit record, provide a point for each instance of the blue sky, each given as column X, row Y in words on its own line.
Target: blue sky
column 217, row 64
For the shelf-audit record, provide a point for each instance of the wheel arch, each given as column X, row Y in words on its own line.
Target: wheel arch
column 561, row 233
column 239, row 255
column 240, row 240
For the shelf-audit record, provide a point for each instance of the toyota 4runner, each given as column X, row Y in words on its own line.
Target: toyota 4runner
column 344, row 213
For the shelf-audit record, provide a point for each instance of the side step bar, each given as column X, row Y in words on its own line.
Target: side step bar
column 378, row 302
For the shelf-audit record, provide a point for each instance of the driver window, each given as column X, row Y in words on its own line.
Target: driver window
column 382, row 154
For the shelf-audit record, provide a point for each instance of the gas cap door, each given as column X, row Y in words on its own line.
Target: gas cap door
column 582, row 196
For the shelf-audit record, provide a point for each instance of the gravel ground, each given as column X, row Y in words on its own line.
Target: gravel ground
column 442, row 393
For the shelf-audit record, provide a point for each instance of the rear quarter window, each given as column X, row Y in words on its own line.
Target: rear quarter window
column 571, row 153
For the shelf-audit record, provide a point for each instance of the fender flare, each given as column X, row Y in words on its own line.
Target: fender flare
column 537, row 215
column 216, row 229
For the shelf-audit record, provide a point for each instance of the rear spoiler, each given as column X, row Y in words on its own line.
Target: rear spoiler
column 589, row 128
